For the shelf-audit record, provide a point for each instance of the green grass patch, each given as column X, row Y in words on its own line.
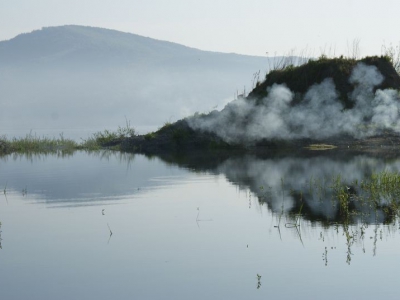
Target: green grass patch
column 150, row 136
column 35, row 144
column 165, row 126
column 379, row 191
column 32, row 143
column 108, row 138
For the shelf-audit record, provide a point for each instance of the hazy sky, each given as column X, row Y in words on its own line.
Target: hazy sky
column 248, row 27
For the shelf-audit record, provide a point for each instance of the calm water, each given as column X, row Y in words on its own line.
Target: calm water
column 193, row 228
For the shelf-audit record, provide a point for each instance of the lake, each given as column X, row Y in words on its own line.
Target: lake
column 111, row 225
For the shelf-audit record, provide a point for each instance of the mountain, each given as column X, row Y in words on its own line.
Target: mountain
column 86, row 45
column 76, row 77
column 90, row 45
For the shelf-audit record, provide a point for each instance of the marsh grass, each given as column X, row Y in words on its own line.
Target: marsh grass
column 5, row 193
column 375, row 198
column 36, row 144
column 290, row 59
column 33, row 144
column 258, row 281
column 373, row 201
column 107, row 138
column 297, row 218
column 376, row 192
column 393, row 53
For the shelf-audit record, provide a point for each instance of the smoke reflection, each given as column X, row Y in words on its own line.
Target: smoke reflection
column 285, row 184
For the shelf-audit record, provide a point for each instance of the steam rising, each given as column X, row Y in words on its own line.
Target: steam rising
column 319, row 115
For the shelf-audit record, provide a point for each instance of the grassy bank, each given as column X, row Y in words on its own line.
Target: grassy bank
column 35, row 144
column 32, row 143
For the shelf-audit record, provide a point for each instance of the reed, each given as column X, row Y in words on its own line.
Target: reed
column 108, row 139
column 36, row 144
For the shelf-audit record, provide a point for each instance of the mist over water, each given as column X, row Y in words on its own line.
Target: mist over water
column 75, row 78
column 319, row 115
column 80, row 103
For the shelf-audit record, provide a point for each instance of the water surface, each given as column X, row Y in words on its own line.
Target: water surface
column 110, row 225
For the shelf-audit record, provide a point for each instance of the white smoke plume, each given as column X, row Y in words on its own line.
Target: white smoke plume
column 319, row 115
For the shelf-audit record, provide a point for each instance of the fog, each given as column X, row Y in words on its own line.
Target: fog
column 78, row 80
column 57, row 99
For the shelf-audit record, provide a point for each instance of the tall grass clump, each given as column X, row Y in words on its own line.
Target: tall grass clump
column 384, row 190
column 108, row 138
column 393, row 53
column 377, row 192
column 36, row 144
column 289, row 60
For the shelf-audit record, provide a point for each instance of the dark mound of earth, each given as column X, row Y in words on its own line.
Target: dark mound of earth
column 300, row 79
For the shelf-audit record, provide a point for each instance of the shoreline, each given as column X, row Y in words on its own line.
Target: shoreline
column 180, row 139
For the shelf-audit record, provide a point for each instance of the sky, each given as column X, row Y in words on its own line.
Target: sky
column 253, row 27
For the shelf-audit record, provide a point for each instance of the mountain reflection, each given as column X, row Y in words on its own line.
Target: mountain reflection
column 83, row 178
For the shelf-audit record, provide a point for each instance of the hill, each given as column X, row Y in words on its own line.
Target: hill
column 339, row 102
column 90, row 46
column 85, row 77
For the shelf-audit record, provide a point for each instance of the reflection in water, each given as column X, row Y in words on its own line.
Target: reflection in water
column 33, row 157
column 110, row 234
column 258, row 281
column 351, row 197
column 86, row 178
column 200, row 227
column 5, row 193
column 200, row 220
column 344, row 195
column 321, row 189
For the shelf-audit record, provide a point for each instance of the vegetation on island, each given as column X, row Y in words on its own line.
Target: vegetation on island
column 36, row 144
column 181, row 136
column 300, row 78
column 33, row 143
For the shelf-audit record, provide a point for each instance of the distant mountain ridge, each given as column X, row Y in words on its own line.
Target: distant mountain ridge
column 86, row 77
column 73, row 43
